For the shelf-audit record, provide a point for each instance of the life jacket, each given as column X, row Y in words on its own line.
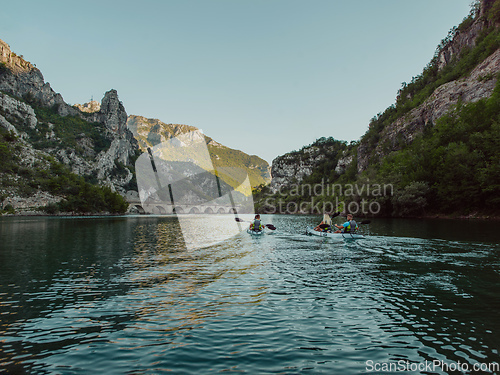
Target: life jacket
column 256, row 225
column 352, row 227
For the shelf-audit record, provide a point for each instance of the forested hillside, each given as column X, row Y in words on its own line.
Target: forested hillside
column 436, row 149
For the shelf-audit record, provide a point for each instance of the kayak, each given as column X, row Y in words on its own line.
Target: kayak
column 310, row 230
column 255, row 232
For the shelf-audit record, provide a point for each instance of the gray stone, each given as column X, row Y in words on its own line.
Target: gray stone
column 479, row 84
column 16, row 112
column 292, row 168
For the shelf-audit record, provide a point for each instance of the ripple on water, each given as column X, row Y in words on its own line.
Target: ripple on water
column 283, row 302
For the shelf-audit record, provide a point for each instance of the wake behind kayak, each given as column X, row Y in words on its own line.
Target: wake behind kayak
column 311, row 231
column 255, row 232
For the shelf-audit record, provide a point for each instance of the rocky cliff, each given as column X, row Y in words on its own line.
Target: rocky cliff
column 326, row 156
column 151, row 132
column 291, row 168
column 452, row 56
column 97, row 141
column 464, row 71
column 22, row 79
column 479, row 84
column 123, row 148
column 94, row 142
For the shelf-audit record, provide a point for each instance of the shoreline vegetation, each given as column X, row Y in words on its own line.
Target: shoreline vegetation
column 473, row 216
column 449, row 169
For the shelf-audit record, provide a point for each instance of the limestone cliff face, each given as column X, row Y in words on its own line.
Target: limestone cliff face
column 12, row 109
column 293, row 167
column 344, row 162
column 22, row 79
column 326, row 154
column 460, row 41
column 15, row 116
column 23, row 91
column 466, row 36
column 11, row 60
column 479, row 84
column 112, row 114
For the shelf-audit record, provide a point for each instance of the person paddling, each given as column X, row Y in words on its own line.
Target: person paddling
column 256, row 224
column 350, row 226
column 322, row 227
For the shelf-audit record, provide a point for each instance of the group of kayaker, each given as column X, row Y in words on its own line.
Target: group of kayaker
column 350, row 226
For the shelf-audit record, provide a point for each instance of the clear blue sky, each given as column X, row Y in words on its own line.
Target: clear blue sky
column 263, row 76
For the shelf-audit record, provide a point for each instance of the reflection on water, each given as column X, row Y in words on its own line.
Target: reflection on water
column 124, row 295
column 207, row 230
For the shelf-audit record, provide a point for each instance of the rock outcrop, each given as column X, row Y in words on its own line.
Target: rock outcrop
column 479, row 84
column 292, row 168
column 22, row 79
column 13, row 111
column 343, row 163
column 95, row 140
column 12, row 61
column 90, row 107
column 113, row 113
column 466, row 36
column 16, row 115
column 123, row 146
column 22, row 91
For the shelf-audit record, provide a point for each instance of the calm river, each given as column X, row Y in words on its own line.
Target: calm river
column 122, row 295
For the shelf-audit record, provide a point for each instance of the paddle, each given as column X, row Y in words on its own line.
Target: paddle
column 270, row 226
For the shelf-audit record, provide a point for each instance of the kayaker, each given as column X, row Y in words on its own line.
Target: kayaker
column 350, row 226
column 256, row 224
column 326, row 220
column 319, row 228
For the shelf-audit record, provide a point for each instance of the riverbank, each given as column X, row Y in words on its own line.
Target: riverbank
column 61, row 214
column 433, row 216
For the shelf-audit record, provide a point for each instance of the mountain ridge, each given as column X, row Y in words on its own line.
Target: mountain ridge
column 151, row 132
column 45, row 141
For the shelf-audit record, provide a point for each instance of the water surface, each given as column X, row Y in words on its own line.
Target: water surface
column 123, row 295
